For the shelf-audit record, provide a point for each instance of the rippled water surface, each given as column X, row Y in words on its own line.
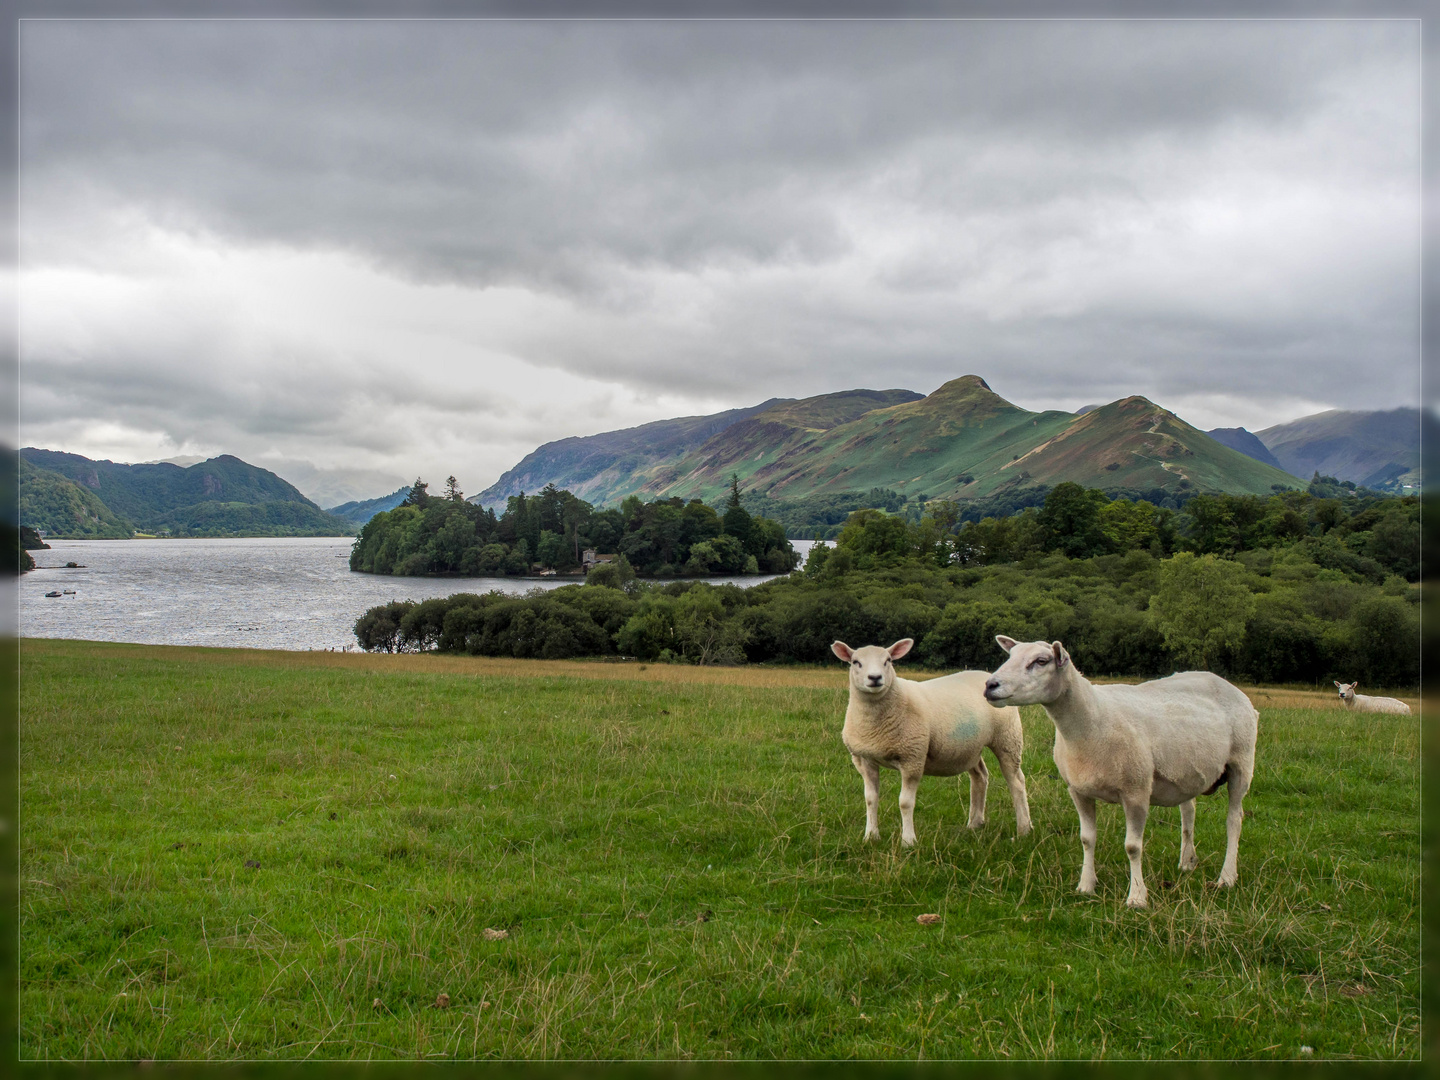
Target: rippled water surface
column 289, row 593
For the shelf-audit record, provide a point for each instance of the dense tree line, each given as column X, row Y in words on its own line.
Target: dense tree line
column 822, row 517
column 1300, row 587
column 443, row 534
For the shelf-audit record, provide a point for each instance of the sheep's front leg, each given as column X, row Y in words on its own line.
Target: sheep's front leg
column 1188, row 858
column 1019, row 798
column 870, row 773
column 979, row 785
column 1239, row 785
column 909, row 784
column 1136, row 811
column 1085, row 807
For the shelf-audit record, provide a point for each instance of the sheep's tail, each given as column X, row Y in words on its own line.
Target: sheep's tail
column 1223, row 779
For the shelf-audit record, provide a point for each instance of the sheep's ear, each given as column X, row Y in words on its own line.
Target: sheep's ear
column 1006, row 643
column 1339, row 685
column 1061, row 656
column 901, row 647
column 843, row 651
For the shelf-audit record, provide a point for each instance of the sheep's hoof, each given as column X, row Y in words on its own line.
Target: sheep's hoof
column 1088, row 890
column 907, row 841
column 1137, row 902
column 1225, row 883
column 1190, row 863
column 871, row 836
column 1023, row 831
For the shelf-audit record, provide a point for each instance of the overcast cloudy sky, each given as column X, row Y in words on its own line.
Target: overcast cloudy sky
column 354, row 252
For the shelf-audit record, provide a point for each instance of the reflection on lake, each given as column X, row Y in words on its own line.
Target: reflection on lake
column 261, row 593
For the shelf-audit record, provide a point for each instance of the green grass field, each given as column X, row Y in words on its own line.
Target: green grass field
column 675, row 857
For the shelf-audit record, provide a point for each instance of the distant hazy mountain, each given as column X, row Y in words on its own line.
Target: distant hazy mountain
column 1237, row 438
column 64, row 494
column 361, row 511
column 962, row 441
column 1379, row 450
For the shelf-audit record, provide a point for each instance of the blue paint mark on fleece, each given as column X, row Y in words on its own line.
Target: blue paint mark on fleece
column 965, row 730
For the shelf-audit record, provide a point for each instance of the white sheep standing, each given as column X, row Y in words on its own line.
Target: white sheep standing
column 937, row 727
column 1160, row 743
column 1365, row 703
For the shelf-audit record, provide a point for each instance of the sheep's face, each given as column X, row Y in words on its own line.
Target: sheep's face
column 872, row 668
column 1035, row 674
column 1347, row 691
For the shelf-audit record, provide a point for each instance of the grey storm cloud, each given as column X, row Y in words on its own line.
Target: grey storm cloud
column 493, row 151
column 728, row 210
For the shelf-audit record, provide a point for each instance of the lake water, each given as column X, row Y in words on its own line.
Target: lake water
column 288, row 593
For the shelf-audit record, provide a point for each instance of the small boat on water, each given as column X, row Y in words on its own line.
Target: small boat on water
column 68, row 592
column 55, row 592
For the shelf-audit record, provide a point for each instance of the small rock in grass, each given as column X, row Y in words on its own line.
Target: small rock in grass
column 928, row 919
column 442, row 1001
column 492, row 934
column 1307, row 1050
column 705, row 916
column 252, row 864
column 376, row 1004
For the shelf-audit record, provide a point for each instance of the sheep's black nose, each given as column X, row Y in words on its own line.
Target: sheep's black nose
column 991, row 684
column 874, row 680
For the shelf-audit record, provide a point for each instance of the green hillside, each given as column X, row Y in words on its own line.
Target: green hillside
column 603, row 468
column 753, row 446
column 61, row 507
column 1134, row 443
column 953, row 444
column 72, row 496
column 962, row 442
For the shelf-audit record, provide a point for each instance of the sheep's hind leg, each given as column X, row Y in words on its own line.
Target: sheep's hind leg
column 909, row 784
column 870, row 773
column 1239, row 784
column 1188, row 858
column 1085, row 807
column 1019, row 798
column 1136, row 811
column 979, row 785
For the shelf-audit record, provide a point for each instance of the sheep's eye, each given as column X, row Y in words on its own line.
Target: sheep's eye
column 1042, row 661
column 855, row 662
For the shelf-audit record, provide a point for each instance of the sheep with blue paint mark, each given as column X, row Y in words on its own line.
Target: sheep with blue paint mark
column 937, row 728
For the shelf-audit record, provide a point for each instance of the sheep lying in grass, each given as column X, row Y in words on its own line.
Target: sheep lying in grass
column 1364, row 703
column 1157, row 744
column 937, row 727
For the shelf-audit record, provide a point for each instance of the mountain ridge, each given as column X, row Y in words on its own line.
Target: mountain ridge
column 1378, row 449
column 962, row 441
column 221, row 496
